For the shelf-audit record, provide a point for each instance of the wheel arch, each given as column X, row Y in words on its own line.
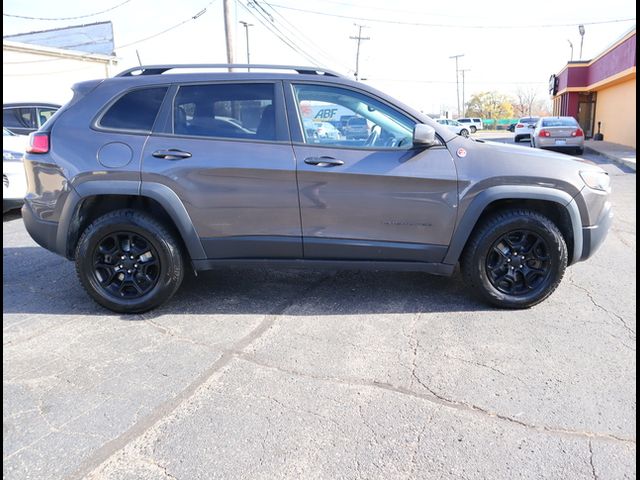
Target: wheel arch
column 95, row 198
column 555, row 204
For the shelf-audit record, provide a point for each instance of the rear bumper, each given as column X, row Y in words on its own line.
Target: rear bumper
column 550, row 142
column 42, row 231
column 593, row 235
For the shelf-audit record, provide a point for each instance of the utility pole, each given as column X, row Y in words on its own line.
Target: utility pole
column 464, row 109
column 246, row 28
column 359, row 38
column 227, row 31
column 457, row 80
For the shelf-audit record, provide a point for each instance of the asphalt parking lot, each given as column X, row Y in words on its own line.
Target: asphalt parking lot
column 322, row 375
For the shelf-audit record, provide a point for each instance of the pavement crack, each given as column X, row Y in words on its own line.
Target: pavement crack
column 484, row 365
column 593, row 468
column 171, row 333
column 102, row 454
column 622, row 321
column 434, row 397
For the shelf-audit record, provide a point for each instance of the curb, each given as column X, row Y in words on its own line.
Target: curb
column 618, row 160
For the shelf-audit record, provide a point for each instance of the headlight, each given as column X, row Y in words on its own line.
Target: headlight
column 8, row 155
column 596, row 180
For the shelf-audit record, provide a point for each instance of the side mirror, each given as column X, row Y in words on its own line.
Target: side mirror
column 424, row 135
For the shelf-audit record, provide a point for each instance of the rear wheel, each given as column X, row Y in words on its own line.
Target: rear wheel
column 128, row 262
column 473, row 129
column 579, row 151
column 516, row 259
column 464, row 132
column 516, row 139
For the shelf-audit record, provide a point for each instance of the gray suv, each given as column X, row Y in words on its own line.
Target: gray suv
column 146, row 173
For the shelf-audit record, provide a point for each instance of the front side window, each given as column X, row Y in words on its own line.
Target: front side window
column 19, row 118
column 362, row 121
column 136, row 110
column 236, row 111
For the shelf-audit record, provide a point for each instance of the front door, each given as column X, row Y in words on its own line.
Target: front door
column 224, row 149
column 374, row 198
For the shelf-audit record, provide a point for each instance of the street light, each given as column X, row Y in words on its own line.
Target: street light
column 581, row 30
column 571, row 45
column 246, row 28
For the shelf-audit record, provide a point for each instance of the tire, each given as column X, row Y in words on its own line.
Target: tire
column 532, row 142
column 480, row 260
column 148, row 278
column 579, row 151
column 464, row 132
column 473, row 129
column 516, row 139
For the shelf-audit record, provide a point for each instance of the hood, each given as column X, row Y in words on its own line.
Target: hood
column 485, row 164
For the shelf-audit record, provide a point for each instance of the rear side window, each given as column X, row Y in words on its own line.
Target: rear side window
column 226, row 110
column 136, row 110
column 19, row 118
column 529, row 120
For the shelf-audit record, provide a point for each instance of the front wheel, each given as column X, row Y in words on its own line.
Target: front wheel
column 516, row 259
column 128, row 262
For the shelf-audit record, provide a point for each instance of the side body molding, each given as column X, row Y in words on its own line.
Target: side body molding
column 161, row 193
column 504, row 192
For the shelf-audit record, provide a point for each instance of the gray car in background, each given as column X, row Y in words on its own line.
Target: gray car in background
column 144, row 175
column 558, row 133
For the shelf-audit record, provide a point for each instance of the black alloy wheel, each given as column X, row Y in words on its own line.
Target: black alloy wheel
column 518, row 262
column 125, row 265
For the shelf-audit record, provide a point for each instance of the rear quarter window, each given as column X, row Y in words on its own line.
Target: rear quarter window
column 135, row 110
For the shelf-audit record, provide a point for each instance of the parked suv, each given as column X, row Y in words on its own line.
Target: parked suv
column 473, row 124
column 356, row 128
column 142, row 176
column 24, row 118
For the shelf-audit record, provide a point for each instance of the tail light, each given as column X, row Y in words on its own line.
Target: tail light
column 544, row 133
column 38, row 143
column 520, row 125
column 577, row 133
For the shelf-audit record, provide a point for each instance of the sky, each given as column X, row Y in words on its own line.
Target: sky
column 506, row 45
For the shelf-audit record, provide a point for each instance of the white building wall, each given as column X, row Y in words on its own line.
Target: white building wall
column 41, row 77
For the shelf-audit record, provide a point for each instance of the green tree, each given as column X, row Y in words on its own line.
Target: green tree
column 490, row 106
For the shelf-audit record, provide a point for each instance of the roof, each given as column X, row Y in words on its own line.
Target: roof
column 94, row 38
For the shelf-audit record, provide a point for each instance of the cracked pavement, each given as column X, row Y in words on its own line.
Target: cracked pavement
column 306, row 374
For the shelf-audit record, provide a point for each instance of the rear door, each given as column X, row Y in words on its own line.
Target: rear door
column 376, row 198
column 224, row 149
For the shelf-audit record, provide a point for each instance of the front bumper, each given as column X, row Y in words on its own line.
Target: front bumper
column 593, row 235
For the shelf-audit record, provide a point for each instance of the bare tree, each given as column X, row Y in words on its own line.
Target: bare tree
column 525, row 99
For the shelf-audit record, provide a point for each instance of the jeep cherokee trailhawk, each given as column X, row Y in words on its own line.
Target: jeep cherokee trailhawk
column 166, row 166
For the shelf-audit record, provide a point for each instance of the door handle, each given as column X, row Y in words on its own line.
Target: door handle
column 323, row 161
column 171, row 154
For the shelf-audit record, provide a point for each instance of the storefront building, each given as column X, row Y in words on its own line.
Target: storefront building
column 601, row 93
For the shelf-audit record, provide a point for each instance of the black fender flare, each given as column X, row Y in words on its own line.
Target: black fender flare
column 507, row 192
column 166, row 197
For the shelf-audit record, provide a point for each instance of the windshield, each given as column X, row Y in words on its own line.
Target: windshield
column 560, row 122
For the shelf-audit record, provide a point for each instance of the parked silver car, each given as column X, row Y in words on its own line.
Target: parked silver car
column 558, row 133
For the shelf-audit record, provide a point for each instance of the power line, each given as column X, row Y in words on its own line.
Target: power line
column 300, row 34
column 266, row 23
column 444, row 25
column 66, row 18
column 193, row 17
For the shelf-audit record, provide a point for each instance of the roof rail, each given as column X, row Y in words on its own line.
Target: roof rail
column 160, row 69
